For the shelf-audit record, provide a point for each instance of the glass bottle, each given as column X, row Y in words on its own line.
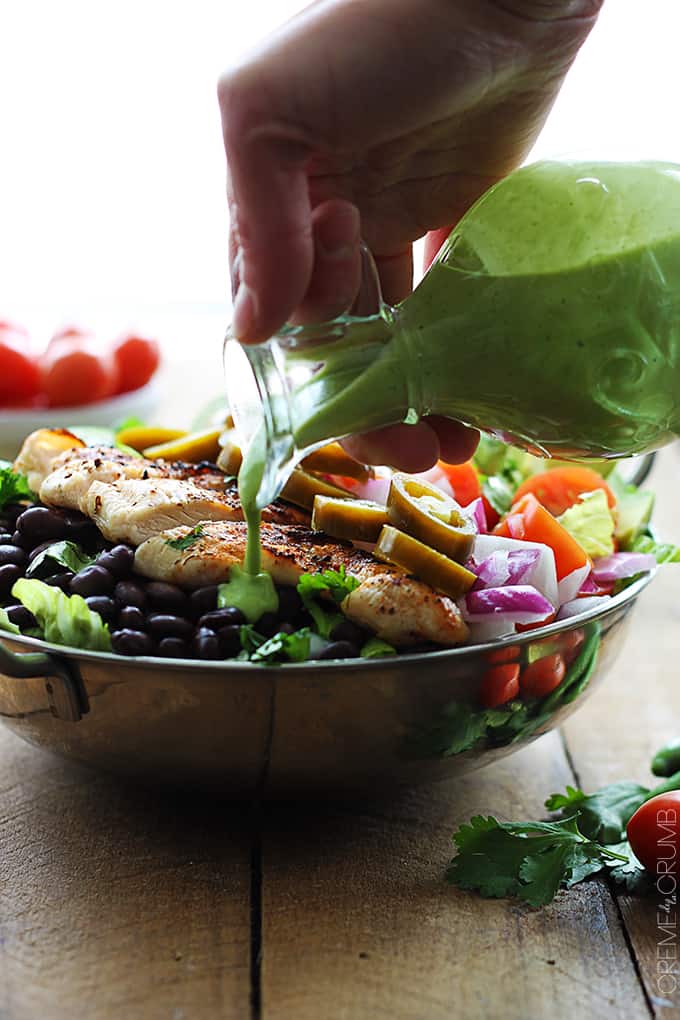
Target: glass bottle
column 550, row 318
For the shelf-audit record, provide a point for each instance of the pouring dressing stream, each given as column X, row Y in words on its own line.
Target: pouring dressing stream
column 550, row 318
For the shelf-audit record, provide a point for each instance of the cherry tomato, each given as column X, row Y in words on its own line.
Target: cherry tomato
column 137, row 359
column 559, row 488
column 570, row 644
column 19, row 372
column 654, row 834
column 503, row 655
column 541, row 677
column 492, row 516
column 74, row 373
column 499, row 685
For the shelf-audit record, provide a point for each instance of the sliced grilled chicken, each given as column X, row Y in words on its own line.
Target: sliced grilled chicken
column 39, row 452
column 133, row 509
column 398, row 608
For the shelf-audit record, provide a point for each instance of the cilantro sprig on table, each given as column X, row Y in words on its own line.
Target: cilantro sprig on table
column 532, row 861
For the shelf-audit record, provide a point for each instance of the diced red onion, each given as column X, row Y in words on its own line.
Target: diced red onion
column 618, row 566
column 578, row 606
column 589, row 587
column 489, row 628
column 520, row 603
column 478, row 512
column 542, row 575
column 503, row 567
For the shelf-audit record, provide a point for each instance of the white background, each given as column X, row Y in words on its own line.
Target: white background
column 112, row 171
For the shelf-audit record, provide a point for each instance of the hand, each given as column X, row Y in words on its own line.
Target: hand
column 384, row 119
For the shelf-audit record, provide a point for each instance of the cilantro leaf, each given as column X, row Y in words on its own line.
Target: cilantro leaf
column 528, row 860
column 187, row 540
column 374, row 648
column 250, row 639
column 66, row 554
column 604, row 815
column 336, row 583
column 284, row 647
column 13, row 487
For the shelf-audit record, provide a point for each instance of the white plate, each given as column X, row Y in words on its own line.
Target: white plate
column 16, row 425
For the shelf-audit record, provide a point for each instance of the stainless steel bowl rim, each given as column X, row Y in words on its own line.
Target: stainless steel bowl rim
column 629, row 594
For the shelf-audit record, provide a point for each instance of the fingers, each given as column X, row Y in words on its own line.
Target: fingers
column 415, row 448
column 457, row 442
column 336, row 273
column 271, row 217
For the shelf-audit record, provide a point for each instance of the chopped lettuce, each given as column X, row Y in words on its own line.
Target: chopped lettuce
column 633, row 510
column 66, row 554
column 63, row 619
column 591, row 523
column 6, row 624
column 13, row 486
column 664, row 552
column 502, row 469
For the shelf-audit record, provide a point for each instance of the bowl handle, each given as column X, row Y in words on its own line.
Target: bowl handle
column 66, row 695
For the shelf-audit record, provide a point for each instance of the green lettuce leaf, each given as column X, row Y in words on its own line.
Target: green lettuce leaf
column 6, row 624
column 591, row 523
column 664, row 552
column 63, row 619
column 374, row 648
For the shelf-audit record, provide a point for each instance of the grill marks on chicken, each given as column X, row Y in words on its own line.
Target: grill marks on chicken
column 398, row 608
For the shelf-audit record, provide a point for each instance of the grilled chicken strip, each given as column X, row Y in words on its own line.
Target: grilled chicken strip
column 398, row 608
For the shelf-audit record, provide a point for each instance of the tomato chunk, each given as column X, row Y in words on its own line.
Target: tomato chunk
column 559, row 488
column 500, row 684
column 464, row 481
column 530, row 521
column 541, row 677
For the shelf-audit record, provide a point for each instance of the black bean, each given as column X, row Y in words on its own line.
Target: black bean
column 5, row 537
column 21, row 617
column 80, row 528
column 165, row 625
column 131, row 642
column 103, row 605
column 130, row 593
column 339, row 650
column 41, row 522
column 23, row 542
column 222, row 618
column 119, row 561
column 206, row 645
column 286, row 628
column 131, row 618
column 11, row 512
column 94, row 580
column 167, row 598
column 61, row 580
column 268, row 624
column 174, row 648
column 9, row 573
column 13, row 554
column 229, row 639
column 203, row 600
column 290, row 603
column 348, row 631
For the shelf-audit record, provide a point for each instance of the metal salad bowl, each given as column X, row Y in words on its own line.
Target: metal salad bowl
column 243, row 729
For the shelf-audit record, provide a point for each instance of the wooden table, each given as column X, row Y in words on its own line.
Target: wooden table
column 117, row 903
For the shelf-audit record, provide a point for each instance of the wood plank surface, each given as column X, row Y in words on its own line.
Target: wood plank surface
column 117, row 903
column 358, row 923
column 617, row 732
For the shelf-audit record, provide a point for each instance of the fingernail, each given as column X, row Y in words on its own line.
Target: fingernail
column 245, row 313
column 337, row 239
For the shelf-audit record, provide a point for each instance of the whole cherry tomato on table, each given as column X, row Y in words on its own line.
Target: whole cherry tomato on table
column 654, row 834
